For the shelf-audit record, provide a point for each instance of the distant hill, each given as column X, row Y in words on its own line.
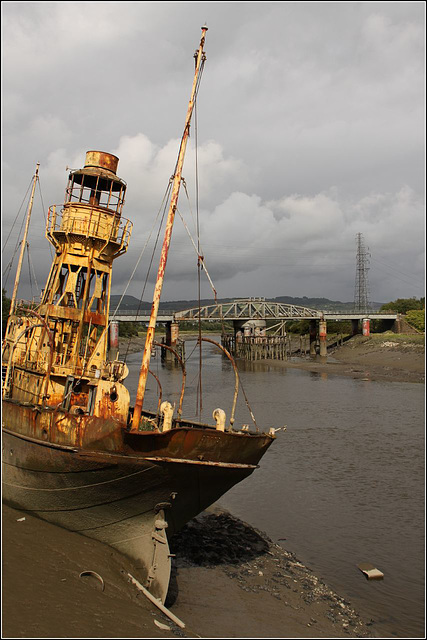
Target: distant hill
column 323, row 303
column 128, row 302
column 132, row 303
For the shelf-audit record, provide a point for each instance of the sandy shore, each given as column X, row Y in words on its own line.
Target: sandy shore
column 229, row 581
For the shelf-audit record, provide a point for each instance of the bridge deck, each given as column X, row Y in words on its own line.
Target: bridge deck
column 250, row 310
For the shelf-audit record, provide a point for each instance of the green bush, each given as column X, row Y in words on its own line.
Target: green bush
column 5, row 306
column 416, row 319
column 298, row 326
column 403, row 305
column 129, row 329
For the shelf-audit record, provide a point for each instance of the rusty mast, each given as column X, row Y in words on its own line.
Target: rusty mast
column 24, row 242
column 143, row 375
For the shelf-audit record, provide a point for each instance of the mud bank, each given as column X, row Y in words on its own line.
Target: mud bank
column 384, row 357
column 388, row 357
column 229, row 581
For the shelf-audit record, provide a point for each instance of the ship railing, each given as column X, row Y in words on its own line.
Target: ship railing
column 90, row 222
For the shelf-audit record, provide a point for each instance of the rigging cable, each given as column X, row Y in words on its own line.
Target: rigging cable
column 199, row 262
column 29, row 271
column 31, row 266
column 202, row 259
column 135, row 268
column 164, row 203
column 17, row 246
column 16, row 217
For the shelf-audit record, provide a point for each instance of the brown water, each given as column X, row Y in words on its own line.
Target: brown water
column 343, row 484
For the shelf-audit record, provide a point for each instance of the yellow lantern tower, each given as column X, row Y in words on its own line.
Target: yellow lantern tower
column 67, row 337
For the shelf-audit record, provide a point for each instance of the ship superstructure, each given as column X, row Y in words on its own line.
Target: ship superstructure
column 55, row 355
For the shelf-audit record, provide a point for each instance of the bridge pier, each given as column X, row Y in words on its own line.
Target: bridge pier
column 172, row 334
column 322, row 338
column 172, row 340
column 366, row 325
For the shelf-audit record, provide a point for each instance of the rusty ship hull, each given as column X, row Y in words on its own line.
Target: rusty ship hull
column 98, row 494
column 118, row 495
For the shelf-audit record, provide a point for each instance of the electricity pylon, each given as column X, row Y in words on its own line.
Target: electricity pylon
column 361, row 289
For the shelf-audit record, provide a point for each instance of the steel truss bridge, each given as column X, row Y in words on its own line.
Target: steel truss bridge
column 249, row 309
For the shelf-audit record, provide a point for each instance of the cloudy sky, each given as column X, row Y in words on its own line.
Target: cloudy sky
column 310, row 130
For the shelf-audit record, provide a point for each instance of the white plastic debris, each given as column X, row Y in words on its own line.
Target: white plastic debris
column 371, row 572
column 161, row 625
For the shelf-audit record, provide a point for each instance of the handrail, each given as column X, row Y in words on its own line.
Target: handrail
column 117, row 230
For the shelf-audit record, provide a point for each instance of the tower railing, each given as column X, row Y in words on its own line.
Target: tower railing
column 88, row 221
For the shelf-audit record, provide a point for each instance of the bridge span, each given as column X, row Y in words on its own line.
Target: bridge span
column 249, row 309
column 249, row 317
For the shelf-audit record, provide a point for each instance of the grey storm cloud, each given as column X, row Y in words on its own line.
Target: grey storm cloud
column 310, row 129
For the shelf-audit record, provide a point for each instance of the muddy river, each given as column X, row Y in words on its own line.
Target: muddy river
column 343, row 484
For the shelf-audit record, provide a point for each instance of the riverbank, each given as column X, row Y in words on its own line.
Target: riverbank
column 382, row 356
column 229, row 581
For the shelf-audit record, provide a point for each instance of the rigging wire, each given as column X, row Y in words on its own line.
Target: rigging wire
column 142, row 253
column 17, row 215
column 19, row 242
column 163, row 205
column 9, row 268
column 135, row 268
column 199, row 385
column 202, row 259
column 199, row 398
column 30, row 261
column 29, row 272
column 17, row 246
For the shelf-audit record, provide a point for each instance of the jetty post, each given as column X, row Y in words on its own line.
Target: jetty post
column 172, row 340
column 313, row 337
